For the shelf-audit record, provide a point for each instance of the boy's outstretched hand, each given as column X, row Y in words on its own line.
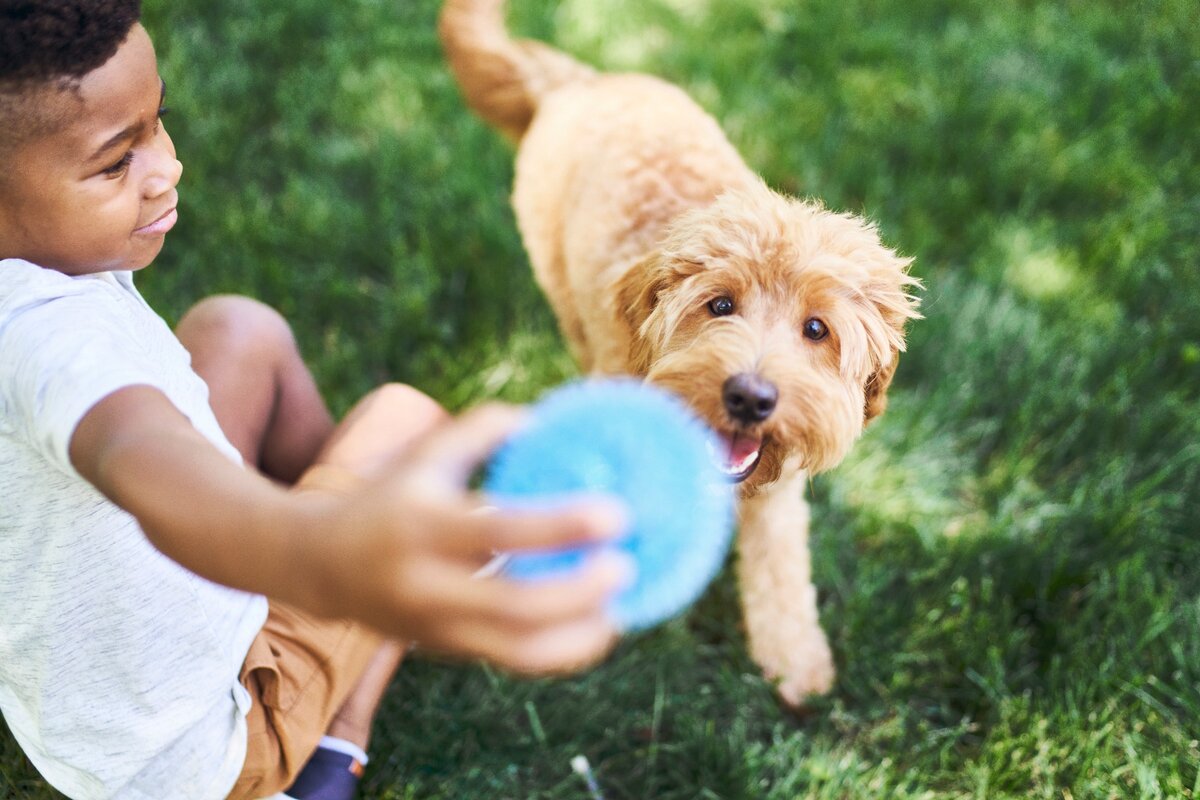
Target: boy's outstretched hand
column 410, row 542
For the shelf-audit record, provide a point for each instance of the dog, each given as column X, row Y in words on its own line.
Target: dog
column 664, row 256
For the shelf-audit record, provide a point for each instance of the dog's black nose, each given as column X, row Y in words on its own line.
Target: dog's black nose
column 749, row 398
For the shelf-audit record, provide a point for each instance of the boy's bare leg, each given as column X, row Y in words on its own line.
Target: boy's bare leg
column 377, row 430
column 356, row 716
column 262, row 393
column 269, row 407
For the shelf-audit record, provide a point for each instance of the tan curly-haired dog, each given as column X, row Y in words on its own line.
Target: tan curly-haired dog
column 665, row 256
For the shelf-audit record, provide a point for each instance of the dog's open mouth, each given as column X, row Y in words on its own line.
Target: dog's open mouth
column 736, row 455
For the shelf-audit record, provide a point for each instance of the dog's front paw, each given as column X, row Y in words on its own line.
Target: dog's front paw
column 796, row 688
column 800, row 672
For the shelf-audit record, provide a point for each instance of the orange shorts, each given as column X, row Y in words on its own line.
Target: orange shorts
column 299, row 670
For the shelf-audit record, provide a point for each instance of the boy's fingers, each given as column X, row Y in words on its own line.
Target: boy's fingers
column 453, row 451
column 557, row 650
column 577, row 521
column 526, row 606
column 516, row 605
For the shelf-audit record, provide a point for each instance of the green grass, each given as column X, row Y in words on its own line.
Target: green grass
column 1008, row 561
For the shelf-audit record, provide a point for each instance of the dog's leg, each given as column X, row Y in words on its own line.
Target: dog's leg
column 779, row 601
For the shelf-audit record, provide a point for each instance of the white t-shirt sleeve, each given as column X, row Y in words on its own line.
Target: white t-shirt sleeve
column 52, row 374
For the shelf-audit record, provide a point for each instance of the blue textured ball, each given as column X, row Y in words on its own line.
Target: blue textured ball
column 643, row 446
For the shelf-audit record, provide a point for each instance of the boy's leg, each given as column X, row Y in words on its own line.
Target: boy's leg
column 262, row 393
column 379, row 428
column 376, row 431
column 356, row 716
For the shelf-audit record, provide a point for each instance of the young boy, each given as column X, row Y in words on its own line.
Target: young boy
column 147, row 505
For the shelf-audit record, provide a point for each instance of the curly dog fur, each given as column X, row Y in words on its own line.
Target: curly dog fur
column 664, row 256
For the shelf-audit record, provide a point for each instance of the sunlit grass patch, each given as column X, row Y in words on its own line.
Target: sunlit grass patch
column 927, row 488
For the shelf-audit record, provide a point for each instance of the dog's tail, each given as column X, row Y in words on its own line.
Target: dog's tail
column 502, row 78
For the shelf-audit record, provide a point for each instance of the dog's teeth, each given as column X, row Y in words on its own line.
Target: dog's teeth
column 743, row 463
column 742, row 452
column 735, row 456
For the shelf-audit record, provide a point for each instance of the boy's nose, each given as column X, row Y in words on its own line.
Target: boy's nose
column 164, row 173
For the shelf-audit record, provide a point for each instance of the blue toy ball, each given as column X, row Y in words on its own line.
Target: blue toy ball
column 640, row 444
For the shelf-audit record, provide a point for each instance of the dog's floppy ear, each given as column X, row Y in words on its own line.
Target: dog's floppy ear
column 877, row 386
column 895, row 305
column 638, row 288
column 636, row 294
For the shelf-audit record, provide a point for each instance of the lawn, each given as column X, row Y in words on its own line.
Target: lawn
column 1008, row 561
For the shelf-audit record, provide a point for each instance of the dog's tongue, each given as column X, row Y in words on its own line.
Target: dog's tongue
column 740, row 454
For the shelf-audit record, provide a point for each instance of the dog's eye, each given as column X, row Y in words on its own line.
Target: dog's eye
column 721, row 306
column 815, row 329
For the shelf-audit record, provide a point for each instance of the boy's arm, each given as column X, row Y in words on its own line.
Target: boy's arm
column 399, row 555
column 224, row 522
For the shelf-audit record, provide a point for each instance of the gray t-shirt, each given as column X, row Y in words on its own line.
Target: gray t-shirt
column 118, row 667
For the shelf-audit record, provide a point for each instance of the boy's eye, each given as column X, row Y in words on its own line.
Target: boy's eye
column 118, row 169
column 162, row 112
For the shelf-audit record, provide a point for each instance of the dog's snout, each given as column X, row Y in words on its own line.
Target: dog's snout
column 749, row 398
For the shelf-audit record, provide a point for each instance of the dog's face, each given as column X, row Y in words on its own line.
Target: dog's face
column 779, row 322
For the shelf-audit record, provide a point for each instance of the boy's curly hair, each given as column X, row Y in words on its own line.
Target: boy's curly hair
column 45, row 43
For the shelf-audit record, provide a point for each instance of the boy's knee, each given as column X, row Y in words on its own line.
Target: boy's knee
column 236, row 327
column 380, row 426
column 401, row 403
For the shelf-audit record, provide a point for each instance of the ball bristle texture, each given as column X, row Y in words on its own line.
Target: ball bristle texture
column 642, row 445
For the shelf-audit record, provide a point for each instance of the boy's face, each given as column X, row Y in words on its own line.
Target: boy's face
column 99, row 193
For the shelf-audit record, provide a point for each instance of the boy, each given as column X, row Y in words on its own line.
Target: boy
column 139, row 656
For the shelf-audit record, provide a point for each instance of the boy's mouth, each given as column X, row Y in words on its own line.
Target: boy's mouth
column 160, row 225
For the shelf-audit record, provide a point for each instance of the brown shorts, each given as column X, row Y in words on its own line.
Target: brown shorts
column 299, row 670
